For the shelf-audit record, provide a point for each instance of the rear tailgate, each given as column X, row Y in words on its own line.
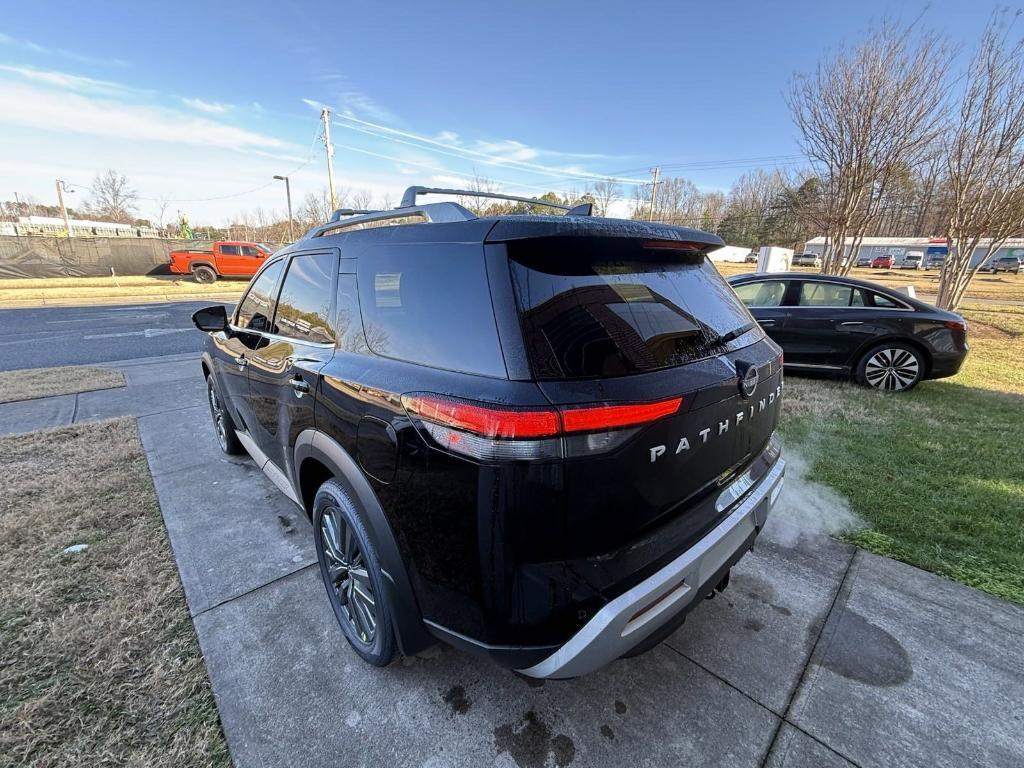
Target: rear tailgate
column 608, row 320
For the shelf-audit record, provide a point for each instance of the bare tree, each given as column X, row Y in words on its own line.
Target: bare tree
column 864, row 114
column 112, row 198
column 985, row 161
column 605, row 193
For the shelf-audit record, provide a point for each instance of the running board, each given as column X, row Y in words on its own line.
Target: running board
column 270, row 469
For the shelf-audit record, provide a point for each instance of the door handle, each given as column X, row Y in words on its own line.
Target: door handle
column 766, row 322
column 241, row 362
column 301, row 388
column 853, row 322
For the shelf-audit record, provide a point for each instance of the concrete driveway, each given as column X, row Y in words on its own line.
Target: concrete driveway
column 817, row 654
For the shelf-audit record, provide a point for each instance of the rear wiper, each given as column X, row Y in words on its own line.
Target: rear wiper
column 733, row 334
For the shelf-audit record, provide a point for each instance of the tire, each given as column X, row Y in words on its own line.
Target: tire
column 223, row 424
column 891, row 367
column 351, row 572
column 204, row 274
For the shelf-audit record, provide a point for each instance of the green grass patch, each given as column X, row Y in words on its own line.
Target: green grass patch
column 935, row 472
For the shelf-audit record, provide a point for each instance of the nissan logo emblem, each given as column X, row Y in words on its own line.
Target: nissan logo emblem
column 748, row 383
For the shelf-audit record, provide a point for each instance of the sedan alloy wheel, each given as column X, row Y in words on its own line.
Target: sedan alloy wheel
column 892, row 369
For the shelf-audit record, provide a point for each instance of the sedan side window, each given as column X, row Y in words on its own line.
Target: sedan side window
column 762, row 294
column 256, row 309
column 826, row 295
column 884, row 301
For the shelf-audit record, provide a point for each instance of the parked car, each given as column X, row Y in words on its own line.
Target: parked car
column 935, row 261
column 1005, row 264
column 883, row 262
column 806, row 260
column 466, row 408
column 863, row 261
column 751, row 258
column 848, row 327
column 913, row 260
column 225, row 258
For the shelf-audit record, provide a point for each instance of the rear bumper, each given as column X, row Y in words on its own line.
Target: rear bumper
column 635, row 615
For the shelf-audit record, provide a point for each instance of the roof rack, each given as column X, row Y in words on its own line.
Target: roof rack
column 338, row 214
column 409, row 199
column 434, row 212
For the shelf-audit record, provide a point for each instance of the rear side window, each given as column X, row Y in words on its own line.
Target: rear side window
column 879, row 300
column 304, row 307
column 229, row 250
column 430, row 305
column 828, row 295
column 257, row 307
column 609, row 307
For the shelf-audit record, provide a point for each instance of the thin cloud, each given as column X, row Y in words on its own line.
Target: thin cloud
column 210, row 107
column 49, row 110
column 43, row 50
column 351, row 100
column 71, row 82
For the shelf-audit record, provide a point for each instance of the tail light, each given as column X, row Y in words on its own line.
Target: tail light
column 488, row 431
column 956, row 325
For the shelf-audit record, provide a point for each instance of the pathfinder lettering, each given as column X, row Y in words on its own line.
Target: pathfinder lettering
column 658, row 451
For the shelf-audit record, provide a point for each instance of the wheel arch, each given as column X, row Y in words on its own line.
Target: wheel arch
column 877, row 341
column 318, row 457
column 195, row 264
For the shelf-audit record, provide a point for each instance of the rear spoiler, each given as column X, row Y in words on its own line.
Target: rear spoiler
column 514, row 228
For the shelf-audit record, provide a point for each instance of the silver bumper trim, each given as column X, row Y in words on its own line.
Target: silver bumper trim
column 634, row 615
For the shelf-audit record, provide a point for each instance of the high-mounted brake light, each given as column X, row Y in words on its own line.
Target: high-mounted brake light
column 674, row 245
column 487, row 431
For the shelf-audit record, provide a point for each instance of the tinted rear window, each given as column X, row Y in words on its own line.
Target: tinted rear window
column 608, row 307
column 430, row 305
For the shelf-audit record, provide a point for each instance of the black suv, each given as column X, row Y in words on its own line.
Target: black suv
column 545, row 438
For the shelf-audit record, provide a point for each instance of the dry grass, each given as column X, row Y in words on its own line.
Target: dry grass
column 46, row 382
column 99, row 662
column 93, row 288
column 1004, row 287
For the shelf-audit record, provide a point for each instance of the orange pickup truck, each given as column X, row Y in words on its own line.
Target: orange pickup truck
column 226, row 258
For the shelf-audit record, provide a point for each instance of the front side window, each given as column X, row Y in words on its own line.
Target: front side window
column 430, row 306
column 257, row 308
column 827, row 295
column 304, row 308
column 762, row 294
column 250, row 250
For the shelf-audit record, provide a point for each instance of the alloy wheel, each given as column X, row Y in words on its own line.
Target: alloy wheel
column 346, row 568
column 217, row 411
column 892, row 369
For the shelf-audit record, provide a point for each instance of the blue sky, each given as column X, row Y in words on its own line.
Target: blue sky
column 209, row 100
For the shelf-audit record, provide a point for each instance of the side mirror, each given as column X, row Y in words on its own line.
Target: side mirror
column 211, row 319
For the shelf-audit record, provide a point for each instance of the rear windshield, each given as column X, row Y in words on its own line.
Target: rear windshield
column 610, row 307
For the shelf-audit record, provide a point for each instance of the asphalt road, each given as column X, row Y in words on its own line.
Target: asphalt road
column 43, row 337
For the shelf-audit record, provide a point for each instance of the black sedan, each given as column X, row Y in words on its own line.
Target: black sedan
column 849, row 327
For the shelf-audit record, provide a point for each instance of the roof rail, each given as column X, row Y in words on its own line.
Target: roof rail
column 409, row 199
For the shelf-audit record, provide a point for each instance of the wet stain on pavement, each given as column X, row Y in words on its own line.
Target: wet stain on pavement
column 533, row 682
column 866, row 653
column 529, row 743
column 620, row 707
column 763, row 592
column 607, row 732
column 456, row 698
column 753, row 624
column 286, row 523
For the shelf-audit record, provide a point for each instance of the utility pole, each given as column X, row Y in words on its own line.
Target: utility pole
column 288, row 192
column 325, row 115
column 656, row 171
column 63, row 210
